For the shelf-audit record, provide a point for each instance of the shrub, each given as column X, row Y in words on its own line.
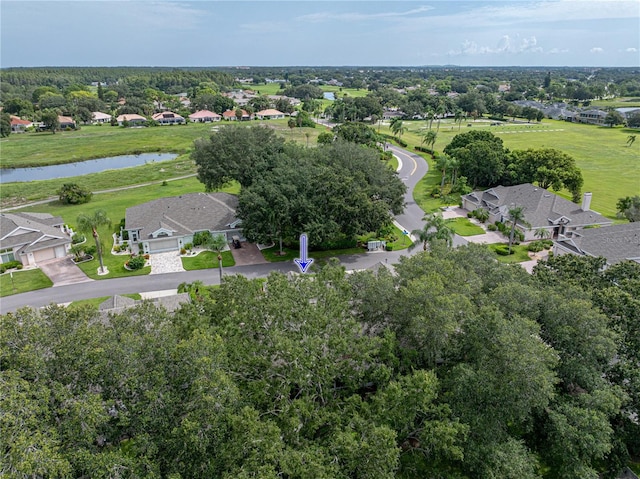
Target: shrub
column 183, row 251
column 165, row 183
column 146, row 256
column 188, row 246
column 388, row 247
column 116, row 248
column 90, row 250
column 74, row 194
column 535, row 246
column 201, row 237
column 136, row 262
column 78, row 238
column 469, row 214
column 503, row 250
column 547, row 244
column 424, row 149
column 10, row 265
column 492, row 227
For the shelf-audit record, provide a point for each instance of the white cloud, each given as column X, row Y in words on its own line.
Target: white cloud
column 596, row 50
column 631, row 50
column 555, row 51
column 505, row 46
column 358, row 16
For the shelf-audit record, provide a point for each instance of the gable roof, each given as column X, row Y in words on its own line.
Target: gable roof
column 615, row 243
column 204, row 114
column 31, row 231
column 541, row 207
column 232, row 113
column 183, row 214
column 15, row 120
column 269, row 112
column 131, row 117
column 65, row 119
column 98, row 115
column 167, row 114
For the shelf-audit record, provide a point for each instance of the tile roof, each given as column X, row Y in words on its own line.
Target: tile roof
column 204, row 114
column 183, row 214
column 269, row 112
column 541, row 207
column 131, row 117
column 615, row 243
column 98, row 115
column 167, row 114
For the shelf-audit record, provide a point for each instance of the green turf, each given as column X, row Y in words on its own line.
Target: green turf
column 95, row 302
column 206, row 260
column 23, row 281
column 115, row 265
column 521, row 253
column 464, row 227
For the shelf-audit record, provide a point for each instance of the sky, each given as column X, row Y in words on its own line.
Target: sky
column 320, row 33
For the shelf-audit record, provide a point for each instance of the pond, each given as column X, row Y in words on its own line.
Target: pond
column 328, row 95
column 79, row 168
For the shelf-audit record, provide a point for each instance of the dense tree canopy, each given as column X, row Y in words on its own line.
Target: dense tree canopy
column 457, row 366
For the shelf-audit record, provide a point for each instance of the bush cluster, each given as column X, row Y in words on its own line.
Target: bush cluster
column 201, row 237
column 503, row 250
column 10, row 265
column 78, row 238
column 136, row 262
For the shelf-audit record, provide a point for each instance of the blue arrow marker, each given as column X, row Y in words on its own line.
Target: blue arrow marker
column 303, row 262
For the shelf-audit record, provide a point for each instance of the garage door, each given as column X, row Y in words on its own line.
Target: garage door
column 158, row 246
column 44, row 254
column 60, row 252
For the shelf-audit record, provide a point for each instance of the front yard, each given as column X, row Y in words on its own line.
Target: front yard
column 206, row 260
column 464, row 227
column 23, row 281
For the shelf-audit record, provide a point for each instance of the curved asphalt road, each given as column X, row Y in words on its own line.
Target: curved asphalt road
column 413, row 168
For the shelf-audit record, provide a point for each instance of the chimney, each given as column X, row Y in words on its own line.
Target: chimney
column 586, row 202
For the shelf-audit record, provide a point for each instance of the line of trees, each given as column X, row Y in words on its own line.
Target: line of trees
column 457, row 366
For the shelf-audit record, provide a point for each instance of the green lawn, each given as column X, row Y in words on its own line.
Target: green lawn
column 23, row 281
column 521, row 253
column 95, row 302
column 206, row 260
column 464, row 227
column 610, row 168
column 115, row 265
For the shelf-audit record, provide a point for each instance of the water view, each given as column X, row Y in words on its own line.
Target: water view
column 8, row 175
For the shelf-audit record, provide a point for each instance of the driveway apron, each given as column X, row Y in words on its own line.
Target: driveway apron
column 63, row 271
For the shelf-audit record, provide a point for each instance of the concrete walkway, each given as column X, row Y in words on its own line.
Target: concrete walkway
column 63, row 271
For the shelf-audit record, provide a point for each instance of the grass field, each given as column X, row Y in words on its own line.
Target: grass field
column 610, row 168
column 95, row 302
column 271, row 254
column 207, row 260
column 113, row 263
column 520, row 253
column 464, row 227
column 23, row 281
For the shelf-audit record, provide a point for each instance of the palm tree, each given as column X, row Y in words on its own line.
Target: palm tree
column 516, row 215
column 429, row 138
column 397, row 127
column 542, row 234
column 90, row 224
column 459, row 117
column 444, row 163
column 217, row 243
column 631, row 139
column 435, row 228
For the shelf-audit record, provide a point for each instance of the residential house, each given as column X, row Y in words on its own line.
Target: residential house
column 132, row 119
column 593, row 117
column 270, row 114
column 18, row 125
column 117, row 304
column 66, row 122
column 292, row 101
column 168, row 118
column 542, row 209
column 168, row 224
column 230, row 115
column 615, row 243
column 628, row 112
column 98, row 117
column 204, row 116
column 32, row 237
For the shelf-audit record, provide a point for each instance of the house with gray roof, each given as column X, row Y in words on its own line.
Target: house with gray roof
column 615, row 243
column 32, row 237
column 593, row 117
column 542, row 209
column 117, row 304
column 167, row 224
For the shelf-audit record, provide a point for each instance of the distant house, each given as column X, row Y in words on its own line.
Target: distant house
column 230, row 115
column 167, row 224
column 168, row 118
column 98, row 117
column 204, row 116
column 615, row 243
column 593, row 117
column 391, row 114
column 18, row 125
column 32, row 237
column 542, row 209
column 132, row 119
column 66, row 122
column 292, row 101
column 628, row 112
column 117, row 304
column 270, row 114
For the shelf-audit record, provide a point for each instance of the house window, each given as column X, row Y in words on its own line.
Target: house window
column 6, row 256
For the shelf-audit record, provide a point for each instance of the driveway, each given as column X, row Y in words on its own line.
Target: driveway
column 162, row 263
column 63, row 271
column 247, row 254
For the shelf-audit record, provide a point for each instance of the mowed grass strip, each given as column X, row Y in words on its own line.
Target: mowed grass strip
column 115, row 265
column 519, row 253
column 23, row 281
column 207, row 260
column 464, row 227
column 95, row 302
